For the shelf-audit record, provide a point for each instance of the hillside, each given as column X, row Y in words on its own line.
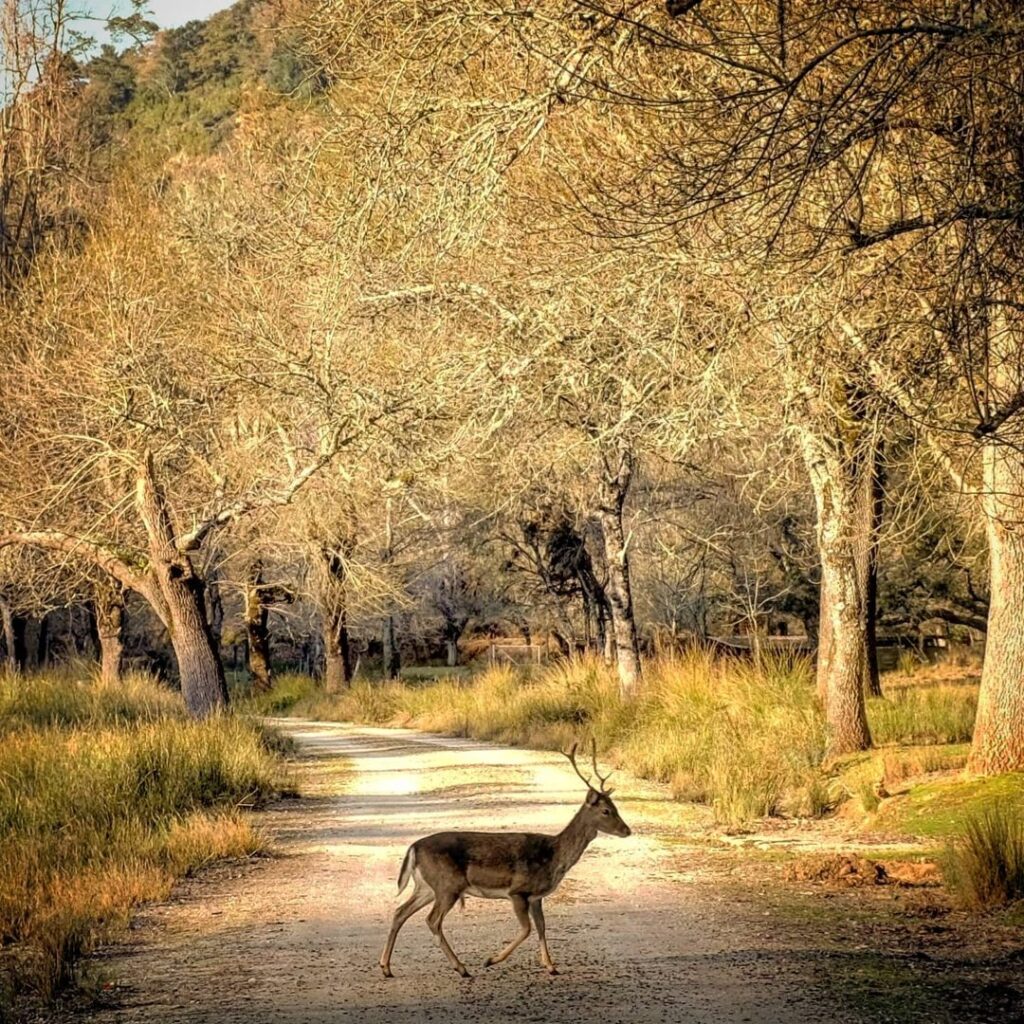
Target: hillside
column 182, row 91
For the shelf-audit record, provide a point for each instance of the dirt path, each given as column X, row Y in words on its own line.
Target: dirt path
column 296, row 939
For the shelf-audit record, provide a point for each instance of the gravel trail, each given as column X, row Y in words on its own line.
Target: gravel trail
column 638, row 935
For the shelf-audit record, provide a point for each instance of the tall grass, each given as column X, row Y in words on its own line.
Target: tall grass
column 924, row 714
column 746, row 739
column 106, row 795
column 984, row 866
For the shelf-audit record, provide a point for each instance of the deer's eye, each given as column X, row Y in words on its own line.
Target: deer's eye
column 604, row 810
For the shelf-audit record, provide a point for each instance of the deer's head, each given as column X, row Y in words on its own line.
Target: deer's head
column 598, row 810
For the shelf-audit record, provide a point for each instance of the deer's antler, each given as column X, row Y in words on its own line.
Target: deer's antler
column 602, row 779
column 576, row 768
column 593, row 760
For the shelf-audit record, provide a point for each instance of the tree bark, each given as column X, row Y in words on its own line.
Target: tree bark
column 452, row 651
column 215, row 611
column 20, row 643
column 337, row 649
column 619, row 589
column 392, row 653
column 177, row 592
column 41, row 653
column 109, row 613
column 256, row 616
column 10, row 640
column 998, row 742
column 842, row 648
column 872, row 502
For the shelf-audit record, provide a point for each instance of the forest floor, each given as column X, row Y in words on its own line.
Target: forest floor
column 677, row 923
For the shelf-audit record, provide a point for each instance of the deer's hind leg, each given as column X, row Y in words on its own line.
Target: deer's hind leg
column 444, row 902
column 421, row 896
column 519, row 905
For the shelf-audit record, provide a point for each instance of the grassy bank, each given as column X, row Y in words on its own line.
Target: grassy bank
column 107, row 794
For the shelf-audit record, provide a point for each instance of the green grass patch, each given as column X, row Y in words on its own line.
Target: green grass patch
column 107, row 794
column 939, row 809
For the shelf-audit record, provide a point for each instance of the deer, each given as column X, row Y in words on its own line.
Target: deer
column 522, row 867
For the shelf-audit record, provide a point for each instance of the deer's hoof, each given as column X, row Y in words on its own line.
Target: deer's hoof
column 386, row 971
column 465, row 973
column 489, row 962
column 552, row 971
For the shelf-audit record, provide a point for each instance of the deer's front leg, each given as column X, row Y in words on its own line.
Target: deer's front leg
column 537, row 913
column 520, row 906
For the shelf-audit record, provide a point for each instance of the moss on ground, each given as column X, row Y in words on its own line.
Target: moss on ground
column 937, row 809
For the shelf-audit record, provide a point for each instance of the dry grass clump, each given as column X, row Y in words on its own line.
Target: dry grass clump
column 984, row 864
column 74, row 695
column 937, row 714
column 106, row 798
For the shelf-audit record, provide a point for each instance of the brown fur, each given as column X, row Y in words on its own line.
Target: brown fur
column 522, row 867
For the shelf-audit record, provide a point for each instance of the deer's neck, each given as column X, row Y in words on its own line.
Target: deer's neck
column 572, row 841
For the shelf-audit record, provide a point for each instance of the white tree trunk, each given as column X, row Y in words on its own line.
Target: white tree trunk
column 842, row 648
column 998, row 743
column 620, row 600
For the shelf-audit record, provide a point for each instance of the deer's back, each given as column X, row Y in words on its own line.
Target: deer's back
column 489, row 864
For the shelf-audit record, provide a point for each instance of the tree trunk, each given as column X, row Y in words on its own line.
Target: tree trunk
column 257, row 615
column 998, row 743
column 871, row 499
column 619, row 590
column 42, row 646
column 842, row 648
column 199, row 667
column 391, row 652
column 842, row 668
column 607, row 640
column 109, row 613
column 337, row 650
column 10, row 642
column 176, row 593
column 215, row 611
column 20, row 648
column 452, row 649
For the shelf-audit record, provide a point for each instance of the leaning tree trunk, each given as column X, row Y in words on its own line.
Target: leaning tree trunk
column 998, row 743
column 619, row 589
column 109, row 612
column 177, row 592
column 842, row 649
column 257, row 616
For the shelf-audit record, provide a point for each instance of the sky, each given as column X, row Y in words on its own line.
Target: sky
column 166, row 13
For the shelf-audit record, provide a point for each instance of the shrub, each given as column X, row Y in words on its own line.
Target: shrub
column 984, row 865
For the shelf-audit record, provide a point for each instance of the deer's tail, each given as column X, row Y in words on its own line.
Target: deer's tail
column 408, row 866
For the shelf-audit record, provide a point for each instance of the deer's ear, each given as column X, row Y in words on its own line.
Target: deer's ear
column 593, row 796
